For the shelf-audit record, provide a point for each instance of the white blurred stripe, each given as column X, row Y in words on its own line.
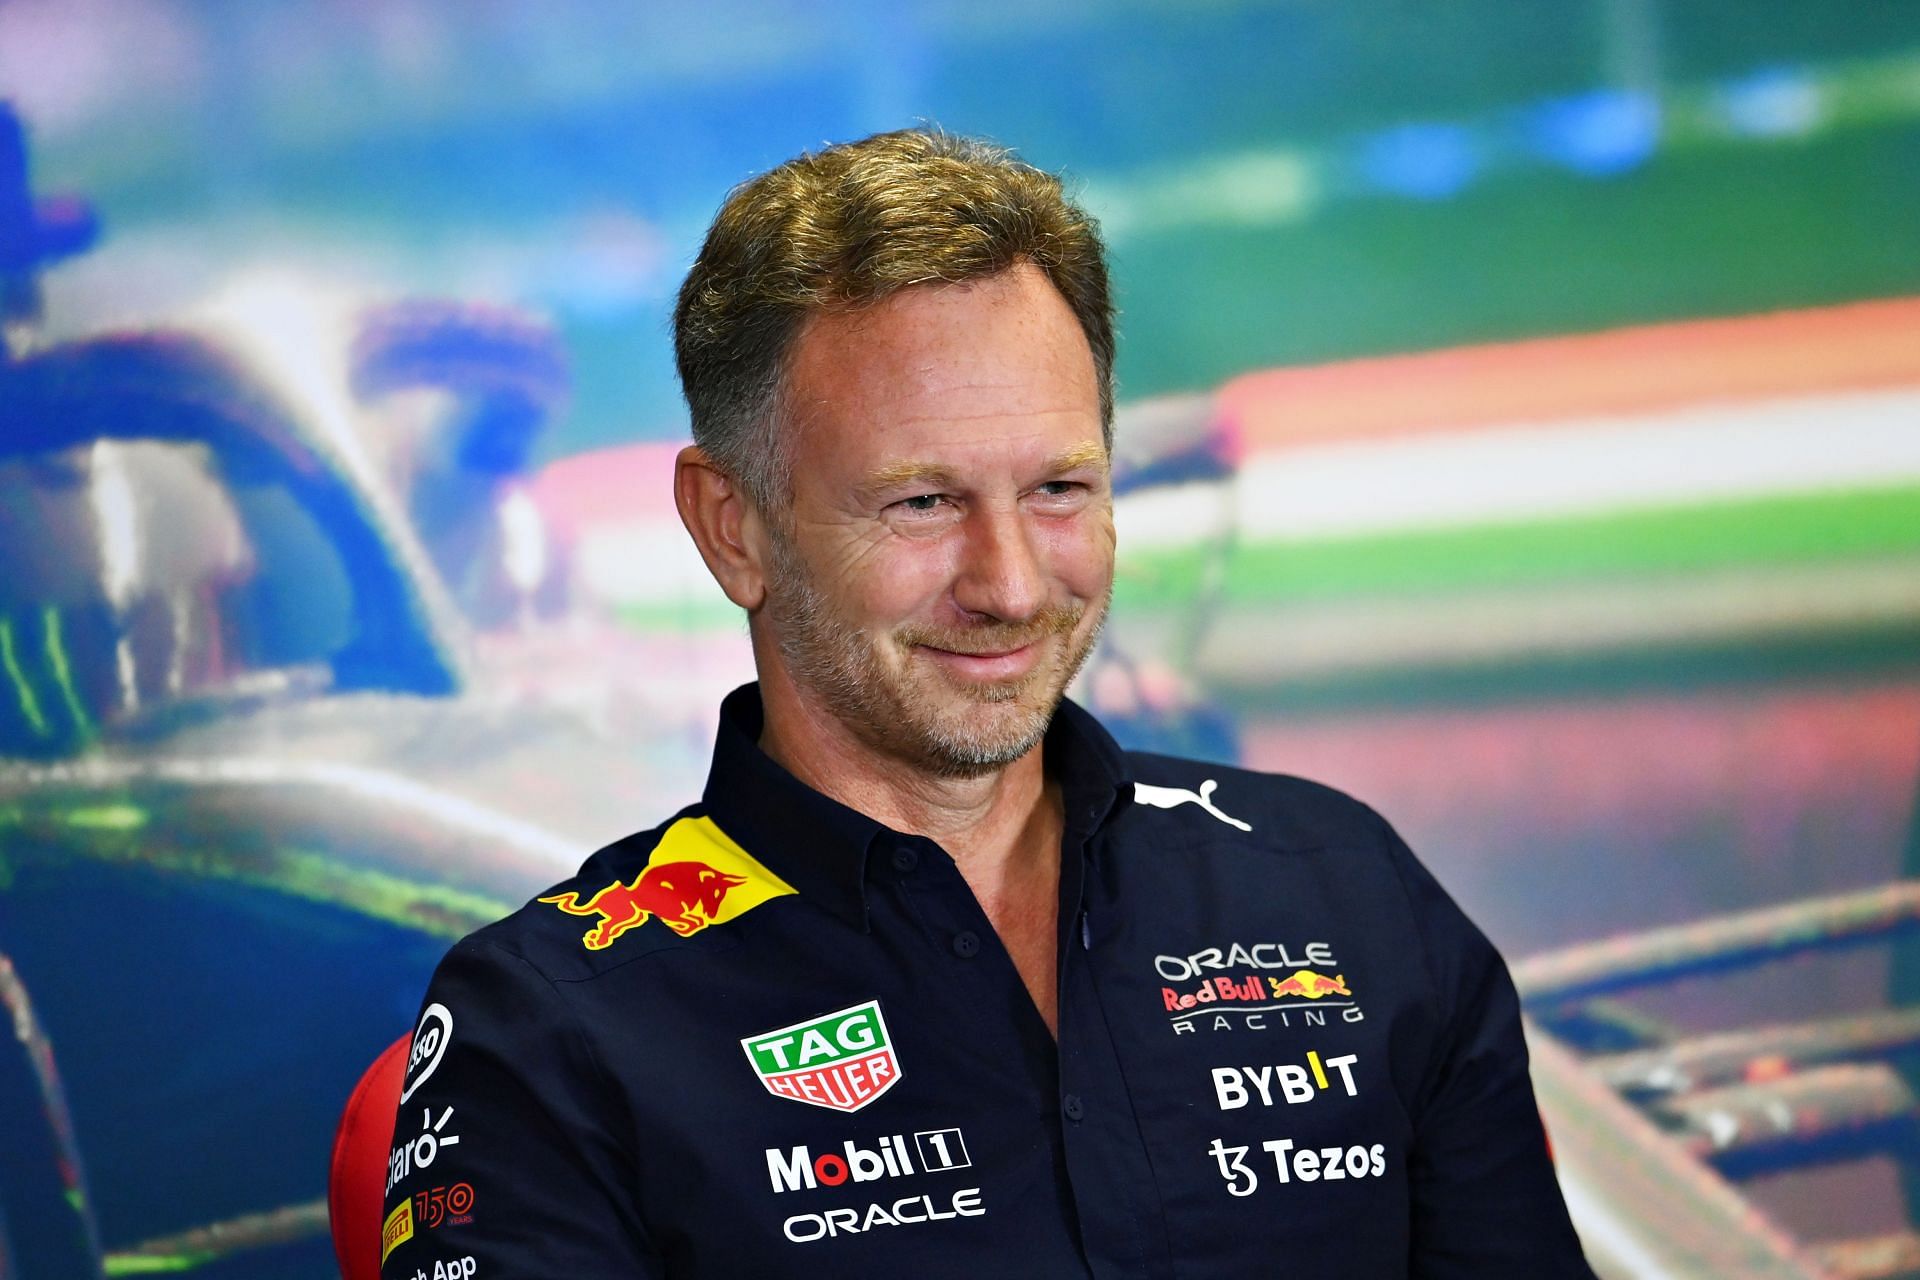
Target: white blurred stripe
column 1613, row 1245
column 1526, row 472
column 1261, row 643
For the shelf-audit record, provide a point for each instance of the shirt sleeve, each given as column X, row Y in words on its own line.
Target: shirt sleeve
column 507, row 1161
column 1486, row 1203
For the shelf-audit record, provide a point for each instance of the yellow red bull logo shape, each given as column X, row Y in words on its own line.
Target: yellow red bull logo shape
column 696, row 877
column 1310, row 984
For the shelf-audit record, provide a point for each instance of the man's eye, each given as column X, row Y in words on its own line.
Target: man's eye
column 921, row 502
column 1058, row 488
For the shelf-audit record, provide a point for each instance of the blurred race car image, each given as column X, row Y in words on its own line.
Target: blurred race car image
column 308, row 669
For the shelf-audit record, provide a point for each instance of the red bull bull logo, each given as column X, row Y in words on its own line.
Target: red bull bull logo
column 685, row 893
column 684, row 896
column 1310, row 985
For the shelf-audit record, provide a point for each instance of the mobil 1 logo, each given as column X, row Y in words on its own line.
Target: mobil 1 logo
column 885, row 1160
column 892, row 1156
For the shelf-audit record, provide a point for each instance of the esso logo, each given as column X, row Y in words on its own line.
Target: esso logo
column 425, row 1045
column 429, row 1046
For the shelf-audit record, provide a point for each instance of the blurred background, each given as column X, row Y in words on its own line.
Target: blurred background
column 1520, row 428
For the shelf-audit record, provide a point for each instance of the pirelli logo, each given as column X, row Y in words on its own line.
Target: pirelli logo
column 397, row 1230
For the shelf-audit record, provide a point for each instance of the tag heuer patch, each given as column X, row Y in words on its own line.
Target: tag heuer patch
column 841, row 1060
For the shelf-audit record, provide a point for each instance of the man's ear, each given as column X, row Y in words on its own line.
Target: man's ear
column 725, row 526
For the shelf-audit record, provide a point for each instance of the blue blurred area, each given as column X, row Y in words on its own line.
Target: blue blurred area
column 1422, row 161
column 170, row 1067
column 566, row 156
column 1600, row 134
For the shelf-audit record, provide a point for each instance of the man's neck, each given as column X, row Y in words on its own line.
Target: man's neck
column 989, row 822
column 1002, row 828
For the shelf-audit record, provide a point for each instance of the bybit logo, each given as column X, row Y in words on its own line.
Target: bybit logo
column 1235, row 1087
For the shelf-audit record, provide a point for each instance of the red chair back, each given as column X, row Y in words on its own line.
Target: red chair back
column 357, row 1182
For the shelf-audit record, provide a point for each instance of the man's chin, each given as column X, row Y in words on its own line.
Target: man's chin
column 981, row 732
column 972, row 755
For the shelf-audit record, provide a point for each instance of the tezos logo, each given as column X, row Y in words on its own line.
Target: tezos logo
column 429, row 1046
column 841, row 1060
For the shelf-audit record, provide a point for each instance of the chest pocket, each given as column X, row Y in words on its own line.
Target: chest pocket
column 1255, row 1014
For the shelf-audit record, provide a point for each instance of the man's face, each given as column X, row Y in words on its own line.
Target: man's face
column 950, row 551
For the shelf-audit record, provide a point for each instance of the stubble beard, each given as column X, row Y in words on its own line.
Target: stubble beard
column 949, row 729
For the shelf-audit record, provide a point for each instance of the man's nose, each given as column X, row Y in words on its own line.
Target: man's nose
column 1000, row 573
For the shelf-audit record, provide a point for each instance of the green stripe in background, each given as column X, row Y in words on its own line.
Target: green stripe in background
column 1622, row 545
column 1778, row 531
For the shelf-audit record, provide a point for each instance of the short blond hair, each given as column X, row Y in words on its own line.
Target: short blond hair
column 844, row 228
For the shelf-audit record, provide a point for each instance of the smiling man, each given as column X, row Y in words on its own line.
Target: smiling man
column 935, row 979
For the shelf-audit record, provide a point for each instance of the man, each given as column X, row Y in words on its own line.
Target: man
column 935, row 980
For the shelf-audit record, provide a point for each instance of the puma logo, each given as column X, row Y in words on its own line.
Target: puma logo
column 1172, row 797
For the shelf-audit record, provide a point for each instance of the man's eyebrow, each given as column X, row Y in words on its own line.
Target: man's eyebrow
column 899, row 475
column 1090, row 454
column 931, row 475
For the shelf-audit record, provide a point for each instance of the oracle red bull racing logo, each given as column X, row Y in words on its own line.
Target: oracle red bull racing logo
column 696, row 877
column 1254, row 1001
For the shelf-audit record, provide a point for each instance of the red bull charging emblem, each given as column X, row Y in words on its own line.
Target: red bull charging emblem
column 696, row 877
column 1311, row 985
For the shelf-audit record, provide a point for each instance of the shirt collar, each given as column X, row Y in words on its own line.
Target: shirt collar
column 821, row 846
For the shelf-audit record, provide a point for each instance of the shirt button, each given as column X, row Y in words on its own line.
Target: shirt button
column 905, row 859
column 1072, row 1107
column 966, row 945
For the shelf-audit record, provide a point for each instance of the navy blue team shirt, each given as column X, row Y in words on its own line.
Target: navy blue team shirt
column 773, row 1036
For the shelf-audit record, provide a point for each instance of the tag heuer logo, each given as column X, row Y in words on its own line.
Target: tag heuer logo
column 841, row 1060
